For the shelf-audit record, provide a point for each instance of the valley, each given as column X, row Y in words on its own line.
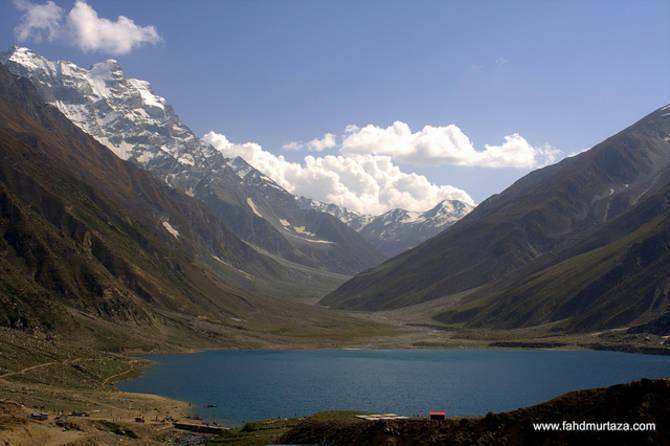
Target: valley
column 123, row 233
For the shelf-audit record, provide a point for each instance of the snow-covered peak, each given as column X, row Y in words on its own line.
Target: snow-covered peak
column 252, row 177
column 123, row 113
column 109, row 69
column 441, row 215
column 353, row 219
column 447, row 211
column 401, row 216
column 26, row 62
column 26, row 57
column 399, row 229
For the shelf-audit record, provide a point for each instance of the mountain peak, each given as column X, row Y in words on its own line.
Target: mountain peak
column 17, row 49
column 109, row 68
column 25, row 57
column 455, row 208
column 123, row 114
column 399, row 229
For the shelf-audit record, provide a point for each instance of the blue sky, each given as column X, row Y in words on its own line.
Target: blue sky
column 566, row 73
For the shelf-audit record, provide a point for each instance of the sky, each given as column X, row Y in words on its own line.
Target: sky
column 422, row 98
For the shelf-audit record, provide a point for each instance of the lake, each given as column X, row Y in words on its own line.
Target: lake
column 256, row 384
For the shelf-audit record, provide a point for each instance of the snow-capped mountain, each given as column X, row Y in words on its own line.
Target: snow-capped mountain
column 353, row 219
column 398, row 229
column 140, row 126
column 123, row 114
column 128, row 117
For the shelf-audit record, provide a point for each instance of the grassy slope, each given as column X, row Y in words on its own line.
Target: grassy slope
column 639, row 402
column 616, row 277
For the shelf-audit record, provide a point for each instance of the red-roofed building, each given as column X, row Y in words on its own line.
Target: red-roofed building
column 437, row 415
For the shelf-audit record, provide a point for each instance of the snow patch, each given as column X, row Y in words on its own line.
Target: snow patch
column 302, row 230
column 244, row 273
column 148, row 98
column 169, row 228
column 145, row 157
column 187, row 159
column 318, row 241
column 251, row 204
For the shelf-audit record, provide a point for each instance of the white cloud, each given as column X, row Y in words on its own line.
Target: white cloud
column 92, row 33
column 82, row 28
column 38, row 22
column 443, row 145
column 328, row 141
column 365, row 183
column 364, row 175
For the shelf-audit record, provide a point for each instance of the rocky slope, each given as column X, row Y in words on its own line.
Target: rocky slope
column 616, row 276
column 95, row 233
column 581, row 242
column 139, row 126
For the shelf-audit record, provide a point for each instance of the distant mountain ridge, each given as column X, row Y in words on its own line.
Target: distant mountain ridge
column 396, row 230
column 399, row 230
column 353, row 219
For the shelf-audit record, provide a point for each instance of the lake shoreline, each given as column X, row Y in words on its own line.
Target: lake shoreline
column 492, row 345
column 219, row 414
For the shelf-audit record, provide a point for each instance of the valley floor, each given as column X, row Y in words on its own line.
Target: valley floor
column 416, row 329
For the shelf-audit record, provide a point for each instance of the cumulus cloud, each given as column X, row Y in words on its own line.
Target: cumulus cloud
column 443, row 145
column 365, row 174
column 92, row 33
column 328, row 141
column 365, row 183
column 38, row 22
column 82, row 27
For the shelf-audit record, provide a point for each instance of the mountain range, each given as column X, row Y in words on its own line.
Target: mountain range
column 579, row 245
column 399, row 230
column 141, row 127
column 137, row 125
column 115, row 208
column 94, row 248
column 396, row 230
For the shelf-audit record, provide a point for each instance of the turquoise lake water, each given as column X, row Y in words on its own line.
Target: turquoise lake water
column 251, row 385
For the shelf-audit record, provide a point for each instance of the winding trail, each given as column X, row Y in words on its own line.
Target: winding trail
column 125, row 372
column 27, row 369
column 64, row 362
